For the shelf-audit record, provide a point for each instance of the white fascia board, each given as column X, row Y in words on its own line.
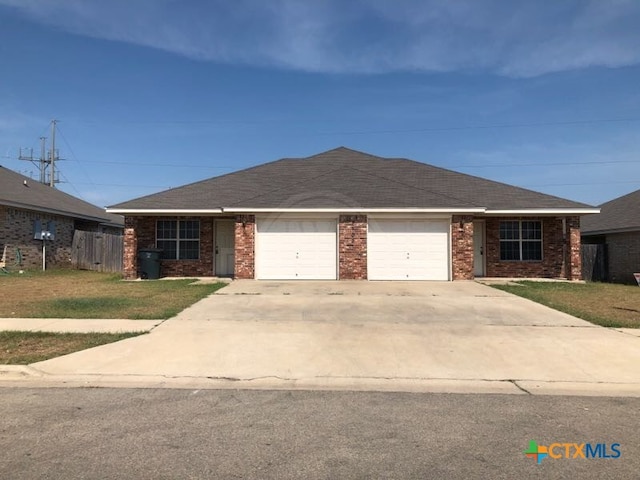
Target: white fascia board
column 354, row 210
column 155, row 211
column 544, row 211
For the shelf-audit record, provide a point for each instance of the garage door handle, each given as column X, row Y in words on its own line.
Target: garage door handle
column 217, row 252
column 481, row 250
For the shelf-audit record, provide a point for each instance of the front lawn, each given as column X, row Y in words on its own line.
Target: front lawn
column 84, row 294
column 606, row 304
column 22, row 348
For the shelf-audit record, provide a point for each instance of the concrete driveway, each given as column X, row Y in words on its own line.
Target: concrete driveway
column 401, row 336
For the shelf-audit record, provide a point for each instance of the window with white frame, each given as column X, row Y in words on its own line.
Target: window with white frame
column 521, row 240
column 178, row 239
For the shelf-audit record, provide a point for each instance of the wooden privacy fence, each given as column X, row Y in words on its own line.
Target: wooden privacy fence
column 594, row 262
column 101, row 252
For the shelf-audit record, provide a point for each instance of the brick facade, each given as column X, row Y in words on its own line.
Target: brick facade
column 16, row 234
column 462, row 247
column 561, row 250
column 574, row 260
column 140, row 232
column 245, row 248
column 352, row 247
column 623, row 254
column 129, row 256
column 558, row 254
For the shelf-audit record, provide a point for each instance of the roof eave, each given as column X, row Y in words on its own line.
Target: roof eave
column 609, row 231
column 177, row 211
column 53, row 211
column 543, row 211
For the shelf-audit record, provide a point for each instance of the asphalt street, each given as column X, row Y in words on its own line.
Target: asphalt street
column 78, row 433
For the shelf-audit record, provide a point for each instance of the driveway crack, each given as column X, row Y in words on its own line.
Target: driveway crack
column 515, row 383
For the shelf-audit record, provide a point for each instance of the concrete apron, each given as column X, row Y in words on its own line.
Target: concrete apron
column 384, row 336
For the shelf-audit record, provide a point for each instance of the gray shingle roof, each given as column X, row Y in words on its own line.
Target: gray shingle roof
column 619, row 214
column 34, row 195
column 345, row 178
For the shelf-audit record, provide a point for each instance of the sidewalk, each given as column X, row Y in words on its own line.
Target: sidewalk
column 73, row 325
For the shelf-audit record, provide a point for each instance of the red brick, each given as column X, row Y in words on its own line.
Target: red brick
column 352, row 247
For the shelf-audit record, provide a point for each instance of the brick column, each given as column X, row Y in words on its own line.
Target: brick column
column 462, row 247
column 130, row 255
column 574, row 264
column 352, row 247
column 245, row 234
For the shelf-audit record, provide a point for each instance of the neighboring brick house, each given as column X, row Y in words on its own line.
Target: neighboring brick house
column 27, row 205
column 344, row 214
column 618, row 228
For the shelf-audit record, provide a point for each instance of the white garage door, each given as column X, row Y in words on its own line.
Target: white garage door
column 296, row 250
column 408, row 250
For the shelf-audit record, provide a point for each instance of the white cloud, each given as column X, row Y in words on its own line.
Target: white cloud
column 516, row 38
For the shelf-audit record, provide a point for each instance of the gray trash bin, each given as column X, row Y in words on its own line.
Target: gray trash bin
column 149, row 263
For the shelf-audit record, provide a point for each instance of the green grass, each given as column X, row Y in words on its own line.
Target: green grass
column 83, row 294
column 22, row 348
column 606, row 304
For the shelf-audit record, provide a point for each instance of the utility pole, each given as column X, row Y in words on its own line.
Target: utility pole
column 52, row 182
column 45, row 160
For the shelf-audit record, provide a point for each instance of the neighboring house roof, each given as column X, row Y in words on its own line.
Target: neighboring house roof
column 621, row 214
column 22, row 192
column 344, row 179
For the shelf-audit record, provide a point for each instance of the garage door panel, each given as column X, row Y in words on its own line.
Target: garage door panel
column 296, row 249
column 408, row 250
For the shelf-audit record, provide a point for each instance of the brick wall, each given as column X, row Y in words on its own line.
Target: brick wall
column 574, row 260
column 16, row 233
column 129, row 257
column 245, row 247
column 554, row 251
column 140, row 232
column 352, row 247
column 624, row 256
column 462, row 247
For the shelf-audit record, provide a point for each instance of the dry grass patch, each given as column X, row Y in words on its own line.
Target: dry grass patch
column 606, row 304
column 84, row 294
column 22, row 348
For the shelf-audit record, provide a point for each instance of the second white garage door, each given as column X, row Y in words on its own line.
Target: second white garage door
column 289, row 249
column 408, row 249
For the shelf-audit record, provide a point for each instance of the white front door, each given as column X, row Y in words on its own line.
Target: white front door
column 408, row 249
column 478, row 249
column 296, row 249
column 224, row 247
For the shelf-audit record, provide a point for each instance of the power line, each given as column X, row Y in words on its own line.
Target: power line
column 485, row 127
column 75, row 157
column 491, row 165
column 144, row 164
column 383, row 131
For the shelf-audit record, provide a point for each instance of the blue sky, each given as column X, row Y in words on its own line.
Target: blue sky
column 152, row 94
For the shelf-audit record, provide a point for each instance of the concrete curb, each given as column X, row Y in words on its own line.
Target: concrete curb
column 29, row 377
